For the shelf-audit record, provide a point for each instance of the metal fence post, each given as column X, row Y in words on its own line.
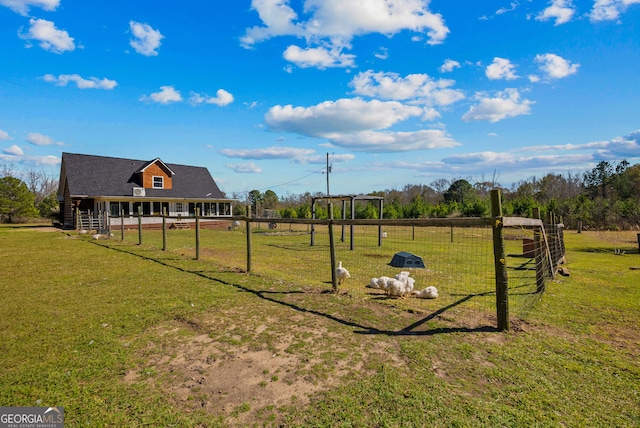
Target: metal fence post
column 538, row 244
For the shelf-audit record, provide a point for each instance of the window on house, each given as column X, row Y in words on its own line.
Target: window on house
column 158, row 182
column 116, row 208
column 224, row 208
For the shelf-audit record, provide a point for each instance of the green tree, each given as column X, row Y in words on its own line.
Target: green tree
column 270, row 200
column 255, row 198
column 49, row 207
column 288, row 212
column 598, row 180
column 460, row 191
column 418, row 208
column 16, row 201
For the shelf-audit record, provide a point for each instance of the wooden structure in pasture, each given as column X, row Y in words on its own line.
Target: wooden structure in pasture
column 352, row 199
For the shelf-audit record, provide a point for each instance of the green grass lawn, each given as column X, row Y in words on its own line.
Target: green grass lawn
column 126, row 335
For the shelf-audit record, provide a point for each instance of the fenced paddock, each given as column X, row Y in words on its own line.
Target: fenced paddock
column 489, row 268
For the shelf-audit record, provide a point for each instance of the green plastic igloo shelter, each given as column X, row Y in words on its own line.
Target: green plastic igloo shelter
column 406, row 260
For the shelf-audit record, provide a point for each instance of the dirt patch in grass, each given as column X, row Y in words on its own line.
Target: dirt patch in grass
column 249, row 365
column 245, row 367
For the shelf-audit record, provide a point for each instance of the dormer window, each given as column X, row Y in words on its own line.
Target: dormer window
column 158, row 182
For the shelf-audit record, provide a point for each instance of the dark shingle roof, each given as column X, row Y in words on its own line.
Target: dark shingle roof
column 89, row 175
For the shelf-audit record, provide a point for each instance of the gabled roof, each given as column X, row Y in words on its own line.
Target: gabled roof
column 93, row 176
column 162, row 165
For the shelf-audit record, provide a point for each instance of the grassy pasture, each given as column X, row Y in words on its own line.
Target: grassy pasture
column 127, row 335
column 459, row 260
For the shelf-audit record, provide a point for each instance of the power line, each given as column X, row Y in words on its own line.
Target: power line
column 289, row 182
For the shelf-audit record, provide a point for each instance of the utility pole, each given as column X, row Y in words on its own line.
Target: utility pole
column 328, row 171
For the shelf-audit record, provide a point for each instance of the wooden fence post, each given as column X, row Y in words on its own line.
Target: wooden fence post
column 197, row 233
column 140, row 225
column 502, row 286
column 344, row 216
column 352, row 231
column 313, row 226
column 332, row 251
column 248, row 228
column 121, row 224
column 380, row 214
column 164, row 229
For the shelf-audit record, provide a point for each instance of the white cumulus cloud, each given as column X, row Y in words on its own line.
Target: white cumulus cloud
column 146, row 40
column 31, row 160
column 81, row 83
column 358, row 125
column 13, row 151
column 420, row 88
column 505, row 104
column 4, row 135
column 244, row 168
column 556, row 67
column 341, row 116
column 501, row 68
column 38, row 139
column 274, row 152
column 335, row 23
column 50, row 38
column 22, row 6
column 560, row 10
column 222, row 98
column 166, row 95
column 389, row 141
column 609, row 10
column 319, row 57
column 449, row 65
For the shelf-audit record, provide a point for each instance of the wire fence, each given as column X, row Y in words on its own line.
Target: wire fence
column 459, row 255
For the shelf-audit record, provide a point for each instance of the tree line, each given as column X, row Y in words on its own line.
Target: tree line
column 605, row 197
column 27, row 195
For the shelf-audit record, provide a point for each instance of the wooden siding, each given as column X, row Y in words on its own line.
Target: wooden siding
column 155, row 170
column 67, row 207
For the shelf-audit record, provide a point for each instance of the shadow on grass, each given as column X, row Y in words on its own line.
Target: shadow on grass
column 612, row 249
column 360, row 329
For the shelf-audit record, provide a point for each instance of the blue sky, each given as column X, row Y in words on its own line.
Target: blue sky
column 395, row 91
